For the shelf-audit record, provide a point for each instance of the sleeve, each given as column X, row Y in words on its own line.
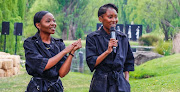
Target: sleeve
column 129, row 63
column 35, row 62
column 91, row 53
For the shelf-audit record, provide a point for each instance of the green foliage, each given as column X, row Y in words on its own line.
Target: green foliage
column 164, row 48
column 11, row 11
column 148, row 40
column 154, row 13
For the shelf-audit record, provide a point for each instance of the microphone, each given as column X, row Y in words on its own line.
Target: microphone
column 113, row 35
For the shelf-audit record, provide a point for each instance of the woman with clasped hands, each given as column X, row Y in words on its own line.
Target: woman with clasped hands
column 46, row 57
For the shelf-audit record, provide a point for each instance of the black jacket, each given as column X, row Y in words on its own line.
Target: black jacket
column 113, row 65
column 37, row 57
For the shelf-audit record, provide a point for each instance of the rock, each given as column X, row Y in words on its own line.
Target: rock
column 176, row 43
column 144, row 56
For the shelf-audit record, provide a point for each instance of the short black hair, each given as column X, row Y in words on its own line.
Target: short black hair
column 102, row 10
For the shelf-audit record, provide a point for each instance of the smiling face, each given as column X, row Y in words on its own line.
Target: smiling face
column 47, row 24
column 109, row 19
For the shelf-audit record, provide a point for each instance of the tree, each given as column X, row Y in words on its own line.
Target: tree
column 11, row 11
column 155, row 14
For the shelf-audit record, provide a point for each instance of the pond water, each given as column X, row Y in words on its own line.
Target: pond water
column 141, row 48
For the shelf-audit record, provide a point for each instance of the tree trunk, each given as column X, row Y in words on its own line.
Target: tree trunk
column 72, row 30
column 165, row 30
column 64, row 31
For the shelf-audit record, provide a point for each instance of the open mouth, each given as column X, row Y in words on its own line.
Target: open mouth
column 113, row 25
column 53, row 28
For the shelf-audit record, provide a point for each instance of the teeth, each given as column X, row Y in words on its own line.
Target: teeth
column 52, row 28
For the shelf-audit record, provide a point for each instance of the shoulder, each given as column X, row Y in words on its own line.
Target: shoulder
column 95, row 33
column 32, row 38
column 121, row 34
column 29, row 39
column 58, row 41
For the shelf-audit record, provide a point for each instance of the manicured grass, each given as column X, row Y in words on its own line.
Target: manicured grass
column 167, row 83
column 76, row 82
column 133, row 43
column 158, row 67
column 73, row 82
column 17, row 83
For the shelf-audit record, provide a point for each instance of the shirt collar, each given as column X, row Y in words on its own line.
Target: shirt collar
column 103, row 32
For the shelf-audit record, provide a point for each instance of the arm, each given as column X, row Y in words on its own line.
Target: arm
column 92, row 57
column 126, row 73
column 54, row 60
column 67, row 64
column 112, row 43
column 129, row 63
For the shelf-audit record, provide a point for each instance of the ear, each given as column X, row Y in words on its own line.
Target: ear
column 100, row 19
column 38, row 25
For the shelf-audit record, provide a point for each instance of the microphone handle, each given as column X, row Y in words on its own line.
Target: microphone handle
column 113, row 35
column 114, row 49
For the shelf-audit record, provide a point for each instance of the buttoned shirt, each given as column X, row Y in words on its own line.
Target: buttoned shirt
column 37, row 56
column 97, row 43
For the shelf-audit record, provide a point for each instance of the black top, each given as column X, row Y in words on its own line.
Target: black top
column 97, row 43
column 37, row 56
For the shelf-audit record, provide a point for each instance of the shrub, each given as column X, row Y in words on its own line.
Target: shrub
column 148, row 40
column 164, row 48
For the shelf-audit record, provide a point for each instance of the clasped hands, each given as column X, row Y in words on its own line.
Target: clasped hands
column 74, row 46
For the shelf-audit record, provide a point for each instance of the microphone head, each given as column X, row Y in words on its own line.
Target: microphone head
column 112, row 29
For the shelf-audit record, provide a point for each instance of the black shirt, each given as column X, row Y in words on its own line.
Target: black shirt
column 37, row 56
column 97, row 43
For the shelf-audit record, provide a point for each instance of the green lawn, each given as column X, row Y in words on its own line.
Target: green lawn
column 158, row 75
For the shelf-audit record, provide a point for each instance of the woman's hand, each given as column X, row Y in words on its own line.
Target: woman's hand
column 78, row 45
column 112, row 43
column 70, row 47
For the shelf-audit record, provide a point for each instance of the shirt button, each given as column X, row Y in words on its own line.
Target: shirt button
column 36, row 41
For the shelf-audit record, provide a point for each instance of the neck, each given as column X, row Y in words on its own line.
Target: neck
column 46, row 38
column 107, row 30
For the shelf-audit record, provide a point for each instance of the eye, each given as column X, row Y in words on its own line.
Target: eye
column 48, row 21
column 110, row 17
column 54, row 20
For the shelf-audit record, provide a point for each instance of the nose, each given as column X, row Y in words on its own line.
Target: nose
column 53, row 23
column 114, row 19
